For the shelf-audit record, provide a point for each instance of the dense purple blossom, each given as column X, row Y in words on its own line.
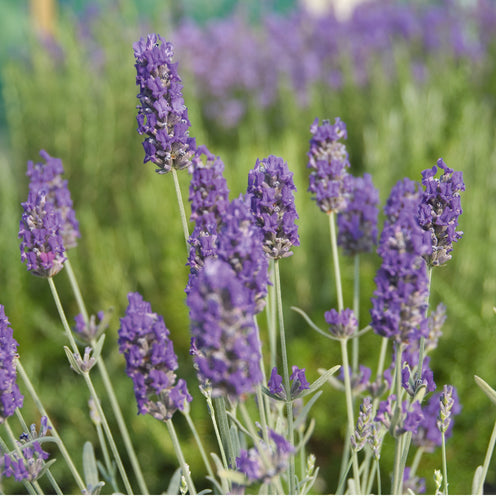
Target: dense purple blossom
column 330, row 182
column 271, row 186
column 40, row 229
column 151, row 361
column 428, row 435
column 357, row 224
column 162, row 114
column 439, row 210
column 264, row 467
column 341, row 324
column 48, row 177
column 298, row 383
column 225, row 341
column 10, row 396
column 240, row 243
column 209, row 197
column 399, row 303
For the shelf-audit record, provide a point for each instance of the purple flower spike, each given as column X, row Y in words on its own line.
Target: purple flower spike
column 448, row 405
column 341, row 324
column 162, row 114
column 328, row 161
column 151, row 361
column 225, row 342
column 209, row 197
column 240, row 243
column 10, row 396
column 42, row 247
column 439, row 211
column 271, row 187
column 357, row 224
column 399, row 303
column 48, row 177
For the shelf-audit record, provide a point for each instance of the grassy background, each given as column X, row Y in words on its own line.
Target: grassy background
column 80, row 106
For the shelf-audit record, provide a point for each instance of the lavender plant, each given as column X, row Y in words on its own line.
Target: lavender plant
column 256, row 421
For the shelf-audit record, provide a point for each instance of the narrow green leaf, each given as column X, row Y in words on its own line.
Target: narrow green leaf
column 72, row 360
column 89, row 465
column 477, row 482
column 97, row 350
column 490, row 392
column 175, row 482
column 320, row 381
column 302, row 416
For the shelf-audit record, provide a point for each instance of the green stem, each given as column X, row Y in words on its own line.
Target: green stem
column 356, row 310
column 445, row 466
column 225, row 432
column 180, row 203
column 199, row 444
column 349, row 409
column 41, row 409
column 335, row 258
column 271, row 321
column 397, row 473
column 91, row 388
column 487, row 460
column 416, row 461
column 180, row 456
column 106, row 456
column 285, row 369
column 109, row 387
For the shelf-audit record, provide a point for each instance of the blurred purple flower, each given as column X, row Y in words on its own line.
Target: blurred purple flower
column 89, row 331
column 399, row 303
column 341, row 324
column 270, row 184
column 357, row 224
column 225, row 342
column 162, row 114
column 48, row 177
column 150, row 361
column 439, row 210
column 330, row 182
column 10, row 396
column 40, row 229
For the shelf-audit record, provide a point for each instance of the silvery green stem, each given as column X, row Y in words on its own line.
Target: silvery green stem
column 349, row 409
column 335, row 258
column 271, row 321
column 398, row 454
column 48, row 473
column 91, row 389
column 356, row 310
column 422, row 338
column 180, row 203
column 29, row 487
column 487, row 460
column 108, row 387
column 445, row 466
column 225, row 432
column 285, row 369
column 199, row 444
column 106, row 456
column 416, row 461
column 41, row 409
column 180, row 456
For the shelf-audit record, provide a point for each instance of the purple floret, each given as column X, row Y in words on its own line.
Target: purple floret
column 328, row 161
column 151, row 361
column 162, row 114
column 357, row 224
column 271, row 187
column 439, row 210
column 225, row 342
column 399, row 303
column 40, row 229
column 10, row 396
column 48, row 177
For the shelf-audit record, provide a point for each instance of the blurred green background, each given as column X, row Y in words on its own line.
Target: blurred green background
column 75, row 96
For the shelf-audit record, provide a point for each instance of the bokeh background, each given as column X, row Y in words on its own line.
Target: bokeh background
column 413, row 81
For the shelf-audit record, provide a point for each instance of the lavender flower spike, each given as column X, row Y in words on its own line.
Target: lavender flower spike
column 447, row 403
column 48, row 177
column 439, row 211
column 151, row 361
column 10, row 396
column 328, row 161
column 271, row 187
column 162, row 114
column 357, row 224
column 42, row 247
column 224, row 341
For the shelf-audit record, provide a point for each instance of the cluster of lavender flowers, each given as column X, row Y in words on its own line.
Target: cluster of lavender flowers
column 151, row 361
column 162, row 114
column 307, row 49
